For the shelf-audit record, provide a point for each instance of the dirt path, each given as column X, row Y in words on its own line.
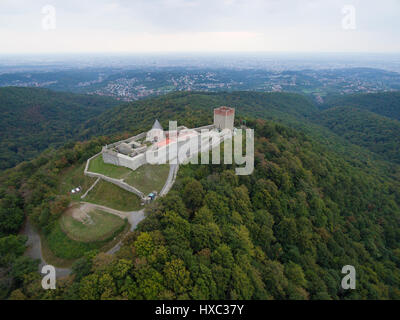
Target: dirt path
column 90, row 189
column 35, row 245
column 134, row 218
column 173, row 170
column 34, row 250
column 87, row 207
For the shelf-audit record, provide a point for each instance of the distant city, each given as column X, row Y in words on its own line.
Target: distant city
column 129, row 78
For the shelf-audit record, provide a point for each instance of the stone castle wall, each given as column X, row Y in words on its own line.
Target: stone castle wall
column 117, row 182
column 119, row 159
column 208, row 127
column 224, row 118
column 110, row 157
column 129, row 140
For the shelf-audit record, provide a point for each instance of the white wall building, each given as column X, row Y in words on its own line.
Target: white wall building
column 173, row 147
column 224, row 118
column 156, row 133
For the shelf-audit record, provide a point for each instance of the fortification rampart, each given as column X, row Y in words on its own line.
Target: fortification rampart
column 223, row 119
column 208, row 127
column 129, row 140
column 117, row 182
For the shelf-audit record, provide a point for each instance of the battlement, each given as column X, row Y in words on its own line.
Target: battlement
column 131, row 152
column 224, row 118
column 224, row 111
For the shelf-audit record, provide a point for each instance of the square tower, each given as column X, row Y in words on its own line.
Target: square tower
column 224, row 118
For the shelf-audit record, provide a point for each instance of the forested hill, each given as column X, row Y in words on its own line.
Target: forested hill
column 196, row 108
column 378, row 134
column 32, row 119
column 384, row 103
column 52, row 118
column 284, row 232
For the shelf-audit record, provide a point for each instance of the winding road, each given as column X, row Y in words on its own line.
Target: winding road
column 134, row 218
column 173, row 170
column 35, row 249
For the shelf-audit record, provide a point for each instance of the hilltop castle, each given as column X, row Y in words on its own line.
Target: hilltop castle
column 177, row 145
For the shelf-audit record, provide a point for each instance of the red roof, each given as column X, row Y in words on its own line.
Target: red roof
column 167, row 141
column 224, row 111
column 164, row 142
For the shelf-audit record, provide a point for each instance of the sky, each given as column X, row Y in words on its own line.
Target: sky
column 72, row 26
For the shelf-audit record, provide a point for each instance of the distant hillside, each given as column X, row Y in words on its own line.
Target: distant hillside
column 283, row 232
column 384, row 103
column 195, row 108
column 32, row 119
column 53, row 118
column 378, row 134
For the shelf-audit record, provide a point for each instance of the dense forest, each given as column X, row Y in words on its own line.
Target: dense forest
column 382, row 103
column 32, row 119
column 293, row 110
column 283, row 232
column 195, row 108
column 376, row 133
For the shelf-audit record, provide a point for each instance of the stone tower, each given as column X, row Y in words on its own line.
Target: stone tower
column 224, row 118
column 156, row 133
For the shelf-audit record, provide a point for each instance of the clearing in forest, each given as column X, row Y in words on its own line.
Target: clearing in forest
column 87, row 225
column 146, row 178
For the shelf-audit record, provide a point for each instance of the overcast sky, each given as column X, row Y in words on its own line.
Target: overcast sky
column 199, row 25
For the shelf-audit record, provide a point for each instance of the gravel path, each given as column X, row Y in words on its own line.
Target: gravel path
column 35, row 245
column 91, row 187
column 87, row 207
column 134, row 218
column 35, row 249
column 173, row 170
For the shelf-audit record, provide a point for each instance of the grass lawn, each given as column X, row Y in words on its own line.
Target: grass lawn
column 97, row 165
column 51, row 258
column 112, row 196
column 64, row 247
column 73, row 177
column 62, row 250
column 100, row 226
column 148, row 178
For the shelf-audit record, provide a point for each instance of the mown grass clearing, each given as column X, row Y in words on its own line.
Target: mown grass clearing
column 51, row 258
column 64, row 247
column 97, row 165
column 74, row 177
column 96, row 225
column 112, row 196
column 148, row 177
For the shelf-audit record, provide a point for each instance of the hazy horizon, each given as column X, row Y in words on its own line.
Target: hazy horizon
column 194, row 26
